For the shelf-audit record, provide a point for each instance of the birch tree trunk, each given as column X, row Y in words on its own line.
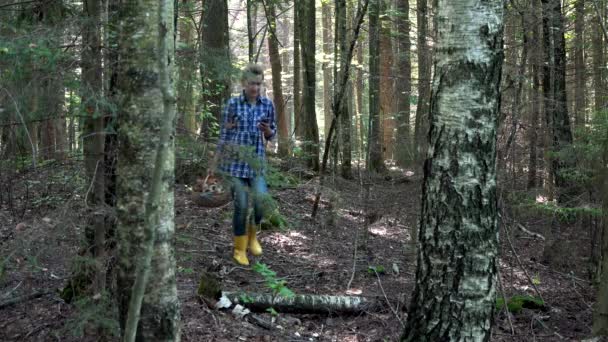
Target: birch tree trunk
column 454, row 297
column 145, row 98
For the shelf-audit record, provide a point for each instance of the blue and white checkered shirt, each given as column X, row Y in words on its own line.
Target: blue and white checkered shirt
column 241, row 142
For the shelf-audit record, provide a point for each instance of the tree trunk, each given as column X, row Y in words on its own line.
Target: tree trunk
column 600, row 315
column 327, row 79
column 387, row 125
column 424, row 80
column 599, row 65
column 186, row 119
column 374, row 146
column 403, row 85
column 215, row 64
column 535, row 97
column 94, row 136
column 308, row 304
column 277, row 89
column 579, row 65
column 341, row 47
column 359, row 86
column 307, row 21
column 455, row 293
column 144, row 91
column 554, row 85
column 297, row 76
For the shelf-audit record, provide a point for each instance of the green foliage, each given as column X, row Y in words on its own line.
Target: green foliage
column 278, row 287
column 277, row 179
column 516, row 303
column 527, row 203
column 245, row 298
column 376, row 270
column 95, row 314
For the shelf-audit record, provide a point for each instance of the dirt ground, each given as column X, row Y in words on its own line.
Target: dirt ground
column 41, row 229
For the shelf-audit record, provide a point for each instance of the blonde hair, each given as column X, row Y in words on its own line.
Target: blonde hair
column 252, row 70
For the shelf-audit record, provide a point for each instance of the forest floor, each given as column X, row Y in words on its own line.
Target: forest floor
column 41, row 233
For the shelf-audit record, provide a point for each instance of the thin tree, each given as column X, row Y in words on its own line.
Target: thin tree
column 147, row 291
column 454, row 297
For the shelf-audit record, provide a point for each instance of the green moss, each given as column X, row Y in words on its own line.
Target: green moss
column 518, row 302
column 209, row 286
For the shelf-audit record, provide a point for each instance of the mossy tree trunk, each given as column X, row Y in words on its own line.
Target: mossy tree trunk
column 144, row 91
column 454, row 297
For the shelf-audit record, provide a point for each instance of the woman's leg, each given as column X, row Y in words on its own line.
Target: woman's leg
column 261, row 201
column 239, row 221
column 261, row 198
column 241, row 202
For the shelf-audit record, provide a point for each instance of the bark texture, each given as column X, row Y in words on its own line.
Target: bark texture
column 142, row 103
column 455, row 290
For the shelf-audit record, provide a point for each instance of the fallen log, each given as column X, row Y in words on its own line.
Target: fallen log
column 306, row 303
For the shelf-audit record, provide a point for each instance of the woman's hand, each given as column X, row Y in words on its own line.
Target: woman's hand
column 265, row 128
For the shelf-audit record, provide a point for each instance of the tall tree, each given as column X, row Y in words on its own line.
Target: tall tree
column 145, row 210
column 215, row 67
column 579, row 64
column 535, row 96
column 554, row 88
column 403, row 86
column 341, row 47
column 307, row 27
column 387, row 93
column 600, row 314
column 424, row 78
column 599, row 61
column 186, row 53
column 297, row 75
column 277, row 89
column 94, row 134
column 327, row 74
column 454, row 297
column 374, row 144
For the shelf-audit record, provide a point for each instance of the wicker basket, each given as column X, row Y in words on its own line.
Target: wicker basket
column 212, row 193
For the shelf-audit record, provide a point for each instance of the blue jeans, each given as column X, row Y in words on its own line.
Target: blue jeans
column 241, row 187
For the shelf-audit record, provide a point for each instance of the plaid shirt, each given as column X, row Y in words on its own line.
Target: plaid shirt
column 241, row 142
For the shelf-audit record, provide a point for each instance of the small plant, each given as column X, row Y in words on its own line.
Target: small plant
column 278, row 287
column 376, row 269
column 516, row 303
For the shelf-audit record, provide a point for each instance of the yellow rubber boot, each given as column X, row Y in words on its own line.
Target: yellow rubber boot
column 254, row 245
column 240, row 250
